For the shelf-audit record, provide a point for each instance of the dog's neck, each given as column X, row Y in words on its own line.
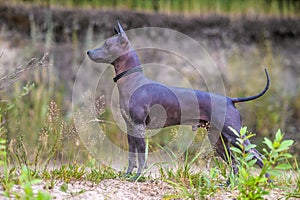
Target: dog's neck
column 125, row 62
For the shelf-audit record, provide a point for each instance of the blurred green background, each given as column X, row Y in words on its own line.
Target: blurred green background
column 231, row 7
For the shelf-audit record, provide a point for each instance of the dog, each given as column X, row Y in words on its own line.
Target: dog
column 180, row 106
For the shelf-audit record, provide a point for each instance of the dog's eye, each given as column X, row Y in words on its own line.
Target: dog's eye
column 122, row 40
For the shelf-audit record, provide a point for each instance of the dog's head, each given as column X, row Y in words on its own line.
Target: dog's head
column 112, row 49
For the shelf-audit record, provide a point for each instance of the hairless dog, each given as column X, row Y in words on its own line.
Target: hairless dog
column 181, row 106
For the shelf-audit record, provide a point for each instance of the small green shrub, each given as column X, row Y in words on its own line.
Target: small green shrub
column 249, row 184
column 26, row 181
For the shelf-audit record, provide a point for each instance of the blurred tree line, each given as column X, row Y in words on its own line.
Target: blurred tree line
column 269, row 7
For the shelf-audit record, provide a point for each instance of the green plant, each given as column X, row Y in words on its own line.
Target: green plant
column 253, row 186
column 250, row 186
column 99, row 173
column 189, row 184
column 68, row 173
column 292, row 185
column 26, row 181
column 277, row 156
column 9, row 176
column 6, row 183
column 7, row 179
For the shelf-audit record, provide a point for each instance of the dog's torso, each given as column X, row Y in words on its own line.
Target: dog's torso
column 155, row 105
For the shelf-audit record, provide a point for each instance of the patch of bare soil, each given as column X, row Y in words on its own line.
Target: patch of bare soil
column 125, row 190
column 106, row 189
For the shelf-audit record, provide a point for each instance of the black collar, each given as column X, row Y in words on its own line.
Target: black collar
column 127, row 72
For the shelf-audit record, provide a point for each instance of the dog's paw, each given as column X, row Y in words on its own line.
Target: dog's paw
column 126, row 175
column 268, row 176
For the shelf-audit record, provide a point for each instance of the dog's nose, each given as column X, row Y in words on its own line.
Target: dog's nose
column 88, row 52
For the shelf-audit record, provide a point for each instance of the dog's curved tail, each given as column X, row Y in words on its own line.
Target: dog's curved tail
column 242, row 99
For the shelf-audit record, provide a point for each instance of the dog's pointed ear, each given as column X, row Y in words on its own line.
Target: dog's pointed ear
column 120, row 28
column 116, row 30
column 122, row 35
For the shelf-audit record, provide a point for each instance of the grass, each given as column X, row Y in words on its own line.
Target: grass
column 189, row 7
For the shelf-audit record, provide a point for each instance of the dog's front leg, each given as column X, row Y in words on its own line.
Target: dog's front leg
column 139, row 133
column 132, row 153
column 136, row 142
column 132, row 148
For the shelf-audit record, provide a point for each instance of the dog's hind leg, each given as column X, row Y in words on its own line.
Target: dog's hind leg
column 222, row 147
column 256, row 155
column 259, row 159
